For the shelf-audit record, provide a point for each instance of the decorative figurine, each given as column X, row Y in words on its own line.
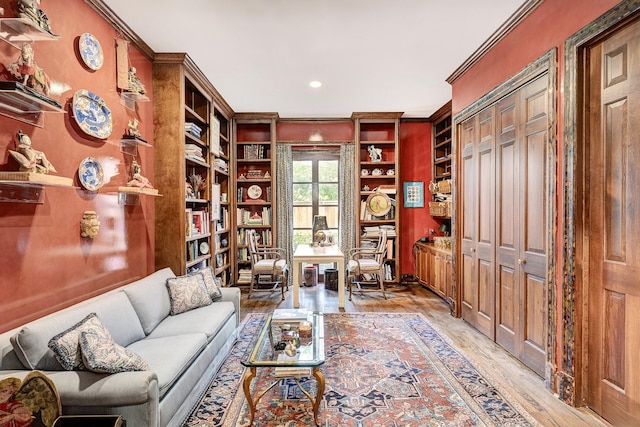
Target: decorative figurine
column 135, row 85
column 197, row 183
column 132, row 129
column 29, row 9
column 27, row 72
column 30, row 160
column 137, row 180
column 375, row 154
column 89, row 224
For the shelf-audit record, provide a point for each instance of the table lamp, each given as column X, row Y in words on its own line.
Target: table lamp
column 319, row 225
column 444, row 229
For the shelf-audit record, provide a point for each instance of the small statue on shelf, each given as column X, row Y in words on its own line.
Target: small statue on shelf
column 375, row 154
column 132, row 129
column 27, row 72
column 137, row 180
column 30, row 159
column 29, row 9
column 135, row 85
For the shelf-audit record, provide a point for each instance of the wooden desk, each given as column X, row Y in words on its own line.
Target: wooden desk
column 317, row 255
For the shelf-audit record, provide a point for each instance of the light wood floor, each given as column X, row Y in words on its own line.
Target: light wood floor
column 519, row 381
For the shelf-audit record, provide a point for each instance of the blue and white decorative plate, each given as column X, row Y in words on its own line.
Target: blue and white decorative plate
column 92, row 114
column 90, row 174
column 90, row 51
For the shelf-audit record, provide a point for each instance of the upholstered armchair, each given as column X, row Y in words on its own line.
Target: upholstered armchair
column 365, row 268
column 269, row 269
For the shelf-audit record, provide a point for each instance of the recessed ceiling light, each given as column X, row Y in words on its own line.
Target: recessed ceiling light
column 315, row 84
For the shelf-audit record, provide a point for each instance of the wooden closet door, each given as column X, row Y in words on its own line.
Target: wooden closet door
column 613, row 180
column 478, row 207
column 522, row 223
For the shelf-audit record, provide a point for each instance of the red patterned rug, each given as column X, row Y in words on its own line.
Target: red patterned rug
column 382, row 370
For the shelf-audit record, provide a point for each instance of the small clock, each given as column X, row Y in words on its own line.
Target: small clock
column 378, row 204
column 254, row 192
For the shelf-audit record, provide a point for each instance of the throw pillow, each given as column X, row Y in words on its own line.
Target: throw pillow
column 212, row 283
column 105, row 356
column 66, row 345
column 187, row 292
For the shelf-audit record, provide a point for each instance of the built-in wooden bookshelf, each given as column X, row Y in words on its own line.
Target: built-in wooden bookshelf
column 254, row 205
column 377, row 156
column 187, row 110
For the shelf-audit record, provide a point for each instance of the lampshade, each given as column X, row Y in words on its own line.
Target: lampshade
column 444, row 229
column 319, row 224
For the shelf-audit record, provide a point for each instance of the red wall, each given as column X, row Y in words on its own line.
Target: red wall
column 415, row 165
column 45, row 263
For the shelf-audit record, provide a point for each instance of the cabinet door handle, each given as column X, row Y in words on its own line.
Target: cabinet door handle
column 473, row 250
column 522, row 261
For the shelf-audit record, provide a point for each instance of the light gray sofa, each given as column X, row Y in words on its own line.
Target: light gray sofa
column 183, row 352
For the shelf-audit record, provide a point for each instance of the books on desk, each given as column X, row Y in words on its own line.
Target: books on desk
column 289, row 315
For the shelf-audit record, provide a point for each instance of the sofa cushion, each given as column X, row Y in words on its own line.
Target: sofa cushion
column 150, row 298
column 66, row 344
column 101, row 354
column 115, row 311
column 187, row 292
column 212, row 283
column 168, row 364
column 207, row 320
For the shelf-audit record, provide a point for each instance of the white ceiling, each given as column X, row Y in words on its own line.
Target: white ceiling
column 370, row 55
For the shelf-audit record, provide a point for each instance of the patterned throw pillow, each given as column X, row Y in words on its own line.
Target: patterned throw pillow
column 105, row 356
column 212, row 282
column 66, row 345
column 187, row 292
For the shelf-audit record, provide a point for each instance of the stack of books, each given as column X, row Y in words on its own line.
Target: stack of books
column 193, row 151
column 291, row 316
column 193, row 129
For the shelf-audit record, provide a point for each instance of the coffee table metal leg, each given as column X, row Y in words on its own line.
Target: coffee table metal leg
column 246, row 384
column 315, row 402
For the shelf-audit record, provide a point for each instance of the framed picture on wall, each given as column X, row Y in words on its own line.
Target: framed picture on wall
column 215, row 202
column 413, row 194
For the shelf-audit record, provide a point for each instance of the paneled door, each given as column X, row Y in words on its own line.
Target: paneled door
column 521, row 223
column 478, row 226
column 613, row 205
column 504, row 224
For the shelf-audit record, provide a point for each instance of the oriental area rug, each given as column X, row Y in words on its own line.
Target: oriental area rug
column 381, row 370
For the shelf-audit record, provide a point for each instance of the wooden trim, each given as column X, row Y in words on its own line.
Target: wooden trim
column 443, row 111
column 376, row 116
column 120, row 26
column 255, row 117
column 511, row 23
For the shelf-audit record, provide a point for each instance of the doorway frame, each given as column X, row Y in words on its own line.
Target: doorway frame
column 573, row 369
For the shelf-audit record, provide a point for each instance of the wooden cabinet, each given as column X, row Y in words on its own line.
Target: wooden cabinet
column 434, row 268
column 254, row 156
column 184, row 108
column 377, row 156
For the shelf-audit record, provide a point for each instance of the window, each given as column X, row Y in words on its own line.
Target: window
column 315, row 192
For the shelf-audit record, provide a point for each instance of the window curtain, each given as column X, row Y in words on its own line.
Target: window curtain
column 284, row 209
column 347, row 197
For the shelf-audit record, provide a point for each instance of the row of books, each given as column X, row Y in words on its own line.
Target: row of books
column 197, row 222
column 222, row 259
column 265, row 237
column 254, row 151
column 193, row 129
column 254, row 217
column 193, row 250
column 244, row 275
column 242, row 196
column 223, row 222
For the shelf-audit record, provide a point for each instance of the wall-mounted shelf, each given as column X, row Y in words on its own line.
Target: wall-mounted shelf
column 27, row 187
column 16, row 30
column 22, row 103
column 130, row 145
column 130, row 196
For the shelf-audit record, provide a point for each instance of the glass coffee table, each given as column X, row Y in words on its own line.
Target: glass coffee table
column 308, row 358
